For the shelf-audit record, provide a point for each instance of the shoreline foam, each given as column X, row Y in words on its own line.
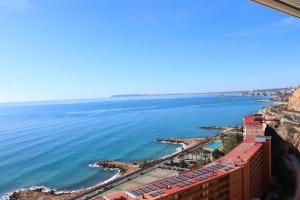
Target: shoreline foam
column 177, row 150
column 183, row 146
column 45, row 189
column 118, row 174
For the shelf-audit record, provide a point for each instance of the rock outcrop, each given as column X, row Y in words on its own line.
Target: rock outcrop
column 286, row 123
column 223, row 128
column 125, row 168
column 294, row 101
column 188, row 142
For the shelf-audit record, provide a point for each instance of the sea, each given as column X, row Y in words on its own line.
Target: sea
column 53, row 143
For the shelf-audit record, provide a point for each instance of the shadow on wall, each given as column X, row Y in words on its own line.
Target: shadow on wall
column 280, row 169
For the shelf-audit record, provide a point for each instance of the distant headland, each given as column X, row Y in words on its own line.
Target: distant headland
column 257, row 92
column 177, row 94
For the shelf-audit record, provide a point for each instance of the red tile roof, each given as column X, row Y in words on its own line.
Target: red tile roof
column 252, row 119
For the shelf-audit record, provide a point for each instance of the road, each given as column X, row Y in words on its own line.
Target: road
column 119, row 182
column 103, row 188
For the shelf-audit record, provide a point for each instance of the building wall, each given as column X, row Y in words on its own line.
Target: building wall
column 217, row 189
column 251, row 131
column 248, row 181
column 253, row 126
column 236, row 187
column 256, row 174
column 267, row 163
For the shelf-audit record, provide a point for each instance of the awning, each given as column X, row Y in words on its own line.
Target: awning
column 291, row 7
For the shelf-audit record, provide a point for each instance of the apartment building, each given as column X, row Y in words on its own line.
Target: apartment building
column 243, row 173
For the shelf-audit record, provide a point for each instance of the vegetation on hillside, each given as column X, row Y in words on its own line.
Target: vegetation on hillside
column 216, row 154
column 230, row 141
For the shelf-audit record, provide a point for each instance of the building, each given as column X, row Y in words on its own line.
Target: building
column 253, row 126
column 291, row 7
column 243, row 173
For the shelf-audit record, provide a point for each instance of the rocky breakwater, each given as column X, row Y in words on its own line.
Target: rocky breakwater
column 124, row 167
column 186, row 142
column 41, row 193
column 225, row 129
column 285, row 119
column 49, row 194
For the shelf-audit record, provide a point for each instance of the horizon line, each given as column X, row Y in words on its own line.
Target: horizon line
column 133, row 95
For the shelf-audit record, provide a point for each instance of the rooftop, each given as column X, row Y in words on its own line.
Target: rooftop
column 221, row 167
column 252, row 119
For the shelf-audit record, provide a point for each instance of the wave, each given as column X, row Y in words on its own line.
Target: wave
column 166, row 142
column 95, row 165
column 42, row 188
column 178, row 149
column 47, row 189
column 117, row 175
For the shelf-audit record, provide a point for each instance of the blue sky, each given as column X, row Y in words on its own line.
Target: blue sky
column 70, row 49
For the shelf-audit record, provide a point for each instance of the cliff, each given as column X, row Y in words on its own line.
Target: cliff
column 284, row 122
column 285, row 119
column 294, row 101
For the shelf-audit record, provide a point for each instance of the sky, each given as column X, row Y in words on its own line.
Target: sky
column 74, row 49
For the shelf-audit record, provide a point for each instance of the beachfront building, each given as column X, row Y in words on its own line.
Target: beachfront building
column 253, row 126
column 243, row 173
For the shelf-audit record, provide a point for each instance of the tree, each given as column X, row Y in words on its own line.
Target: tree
column 206, row 154
column 216, row 154
column 200, row 152
column 230, row 141
column 183, row 164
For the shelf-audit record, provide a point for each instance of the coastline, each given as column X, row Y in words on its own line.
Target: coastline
column 47, row 193
column 178, row 149
column 184, row 142
column 123, row 168
column 52, row 194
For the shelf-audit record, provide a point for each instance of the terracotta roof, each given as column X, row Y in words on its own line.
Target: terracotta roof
column 252, row 119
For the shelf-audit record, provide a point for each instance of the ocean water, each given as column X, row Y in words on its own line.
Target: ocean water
column 51, row 144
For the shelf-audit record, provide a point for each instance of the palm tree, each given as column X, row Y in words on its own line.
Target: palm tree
column 206, row 154
column 200, row 151
column 216, row 154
